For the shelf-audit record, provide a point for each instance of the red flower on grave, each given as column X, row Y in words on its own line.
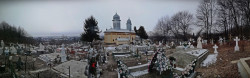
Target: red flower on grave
column 93, row 65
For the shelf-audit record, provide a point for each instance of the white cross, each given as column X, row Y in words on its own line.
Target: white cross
column 189, row 43
column 236, row 40
column 236, row 48
column 215, row 48
column 221, row 39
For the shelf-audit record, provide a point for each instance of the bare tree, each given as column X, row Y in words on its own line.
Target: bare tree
column 206, row 14
column 234, row 16
column 181, row 22
column 163, row 27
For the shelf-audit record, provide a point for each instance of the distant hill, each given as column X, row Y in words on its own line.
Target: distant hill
column 12, row 34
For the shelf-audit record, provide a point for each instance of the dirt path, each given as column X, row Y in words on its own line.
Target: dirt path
column 109, row 69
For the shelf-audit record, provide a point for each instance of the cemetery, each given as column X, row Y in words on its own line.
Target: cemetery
column 141, row 60
column 89, row 39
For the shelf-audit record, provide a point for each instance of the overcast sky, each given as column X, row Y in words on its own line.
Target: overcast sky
column 50, row 18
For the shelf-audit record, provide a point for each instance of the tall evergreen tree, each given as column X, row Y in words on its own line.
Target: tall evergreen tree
column 91, row 30
column 142, row 33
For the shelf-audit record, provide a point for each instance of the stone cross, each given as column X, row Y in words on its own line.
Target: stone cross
column 215, row 48
column 236, row 48
column 230, row 37
column 220, row 41
column 199, row 44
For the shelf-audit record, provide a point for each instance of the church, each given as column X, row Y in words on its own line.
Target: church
column 119, row 36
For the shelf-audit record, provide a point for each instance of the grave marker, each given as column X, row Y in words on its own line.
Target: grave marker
column 199, row 44
column 220, row 40
column 63, row 55
column 236, row 48
column 2, row 43
column 215, row 48
column 13, row 50
column 6, row 51
column 189, row 44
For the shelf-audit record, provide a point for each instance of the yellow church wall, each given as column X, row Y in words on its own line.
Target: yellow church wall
column 110, row 36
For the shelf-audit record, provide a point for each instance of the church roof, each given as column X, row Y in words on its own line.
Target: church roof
column 121, row 30
column 129, row 21
column 116, row 16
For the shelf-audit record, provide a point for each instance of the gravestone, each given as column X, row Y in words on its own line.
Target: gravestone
column 63, row 55
column 6, row 51
column 13, row 50
column 236, row 48
column 160, row 43
column 185, row 45
column 215, row 48
column 172, row 44
column 199, row 44
column 41, row 47
column 189, row 44
column 220, row 40
column 2, row 44
column 1, row 50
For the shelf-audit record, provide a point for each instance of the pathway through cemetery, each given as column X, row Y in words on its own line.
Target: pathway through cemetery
column 109, row 69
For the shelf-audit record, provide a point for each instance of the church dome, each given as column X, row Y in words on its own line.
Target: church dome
column 129, row 21
column 116, row 16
